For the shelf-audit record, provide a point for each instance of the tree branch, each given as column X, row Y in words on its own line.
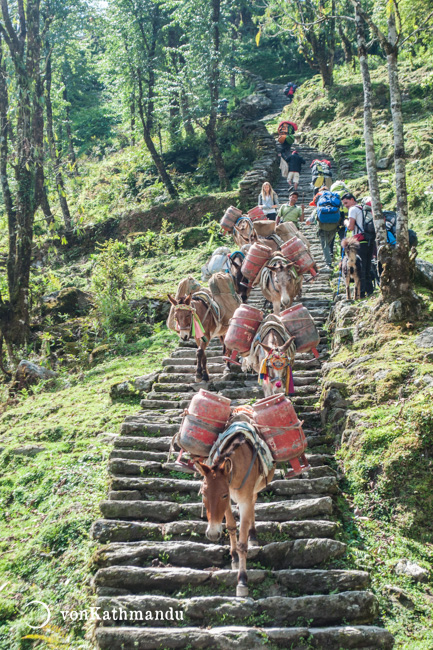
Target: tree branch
column 418, row 29
column 13, row 44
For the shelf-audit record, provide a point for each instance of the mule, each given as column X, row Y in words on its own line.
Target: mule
column 275, row 355
column 279, row 284
column 351, row 266
column 237, row 477
column 242, row 286
column 191, row 314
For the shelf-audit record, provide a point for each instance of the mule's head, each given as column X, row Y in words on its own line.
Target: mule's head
column 216, row 495
column 183, row 315
column 278, row 362
column 286, row 282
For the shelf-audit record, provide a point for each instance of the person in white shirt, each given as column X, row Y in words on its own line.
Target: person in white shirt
column 355, row 223
column 268, row 201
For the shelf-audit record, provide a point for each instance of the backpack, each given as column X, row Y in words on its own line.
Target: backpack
column 328, row 208
column 391, row 229
column 320, row 168
column 368, row 222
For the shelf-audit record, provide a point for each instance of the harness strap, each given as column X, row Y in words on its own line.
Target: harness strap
column 253, row 460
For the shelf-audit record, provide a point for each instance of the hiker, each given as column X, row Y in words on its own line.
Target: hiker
column 268, row 201
column 327, row 218
column 320, row 174
column 290, row 211
column 295, row 163
column 356, row 224
column 286, row 137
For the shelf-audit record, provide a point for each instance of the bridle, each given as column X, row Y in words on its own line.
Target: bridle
column 196, row 328
column 278, row 362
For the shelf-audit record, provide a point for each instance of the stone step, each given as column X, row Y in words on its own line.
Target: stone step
column 121, row 580
column 116, row 530
column 288, row 554
column 327, row 609
column 351, row 637
column 164, row 511
column 172, row 488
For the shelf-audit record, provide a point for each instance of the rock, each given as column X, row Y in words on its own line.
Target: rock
column 424, row 273
column 28, row 373
column 144, row 383
column 384, row 163
column 98, row 352
column 339, row 385
column 360, row 361
column 428, row 357
column 381, row 374
column 425, row 339
column 122, row 389
column 396, row 311
column 407, row 568
column 28, row 450
column 333, row 399
column 70, row 301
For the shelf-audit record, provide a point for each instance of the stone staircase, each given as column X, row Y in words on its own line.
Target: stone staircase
column 155, row 564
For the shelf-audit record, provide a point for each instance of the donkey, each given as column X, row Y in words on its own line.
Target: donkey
column 273, row 356
column 242, row 286
column 194, row 318
column 236, row 476
column 351, row 266
column 279, row 283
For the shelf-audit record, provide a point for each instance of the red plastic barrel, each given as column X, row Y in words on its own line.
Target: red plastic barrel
column 282, row 431
column 256, row 213
column 298, row 322
column 205, row 418
column 296, row 251
column 254, row 261
column 242, row 330
column 229, row 219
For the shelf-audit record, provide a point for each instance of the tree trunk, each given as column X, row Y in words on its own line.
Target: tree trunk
column 46, row 208
column 159, row 164
column 132, row 113
column 346, row 44
column 55, row 155
column 186, row 117
column 71, row 150
column 370, row 155
column 214, row 90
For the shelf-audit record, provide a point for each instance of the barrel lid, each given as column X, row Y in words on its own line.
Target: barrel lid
column 269, row 401
column 214, row 396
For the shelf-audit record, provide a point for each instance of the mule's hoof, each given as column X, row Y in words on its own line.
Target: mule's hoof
column 198, row 379
column 205, row 377
column 241, row 591
column 235, row 566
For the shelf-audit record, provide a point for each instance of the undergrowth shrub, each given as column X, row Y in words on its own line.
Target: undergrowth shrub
column 110, row 278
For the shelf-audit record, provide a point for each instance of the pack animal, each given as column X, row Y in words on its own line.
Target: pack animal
column 272, row 354
column 280, row 283
column 351, row 266
column 235, row 477
column 195, row 319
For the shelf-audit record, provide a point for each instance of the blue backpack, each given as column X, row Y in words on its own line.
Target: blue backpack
column 328, row 208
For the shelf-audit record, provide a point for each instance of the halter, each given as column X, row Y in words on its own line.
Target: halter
column 278, row 362
column 196, row 327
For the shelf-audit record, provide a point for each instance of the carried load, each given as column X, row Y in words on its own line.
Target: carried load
column 256, row 213
column 255, row 260
column 282, row 431
column 264, row 227
column 320, row 170
column 218, row 262
column 328, row 208
column 390, row 223
column 241, row 331
column 287, row 230
column 204, row 419
column 223, row 290
column 231, row 216
column 296, row 251
column 286, row 132
column 298, row 322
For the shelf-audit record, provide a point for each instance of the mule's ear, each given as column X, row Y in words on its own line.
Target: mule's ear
column 287, row 344
column 172, row 300
column 202, row 468
column 226, row 466
column 188, row 299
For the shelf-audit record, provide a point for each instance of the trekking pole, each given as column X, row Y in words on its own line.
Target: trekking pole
column 303, row 207
column 341, row 270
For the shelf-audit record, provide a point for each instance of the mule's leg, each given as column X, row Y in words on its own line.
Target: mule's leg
column 227, row 368
column 199, row 369
column 231, row 529
column 276, row 304
column 348, row 287
column 246, row 511
column 357, row 288
column 252, row 535
column 205, row 375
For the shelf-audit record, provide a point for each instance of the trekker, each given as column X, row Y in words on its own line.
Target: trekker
column 295, row 163
column 356, row 224
column 327, row 221
column 268, row 201
column 290, row 211
column 321, row 174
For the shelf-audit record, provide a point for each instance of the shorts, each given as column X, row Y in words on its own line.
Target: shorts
column 293, row 176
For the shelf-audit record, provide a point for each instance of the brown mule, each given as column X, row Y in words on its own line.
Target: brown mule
column 279, row 356
column 236, row 477
column 191, row 315
column 279, row 284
